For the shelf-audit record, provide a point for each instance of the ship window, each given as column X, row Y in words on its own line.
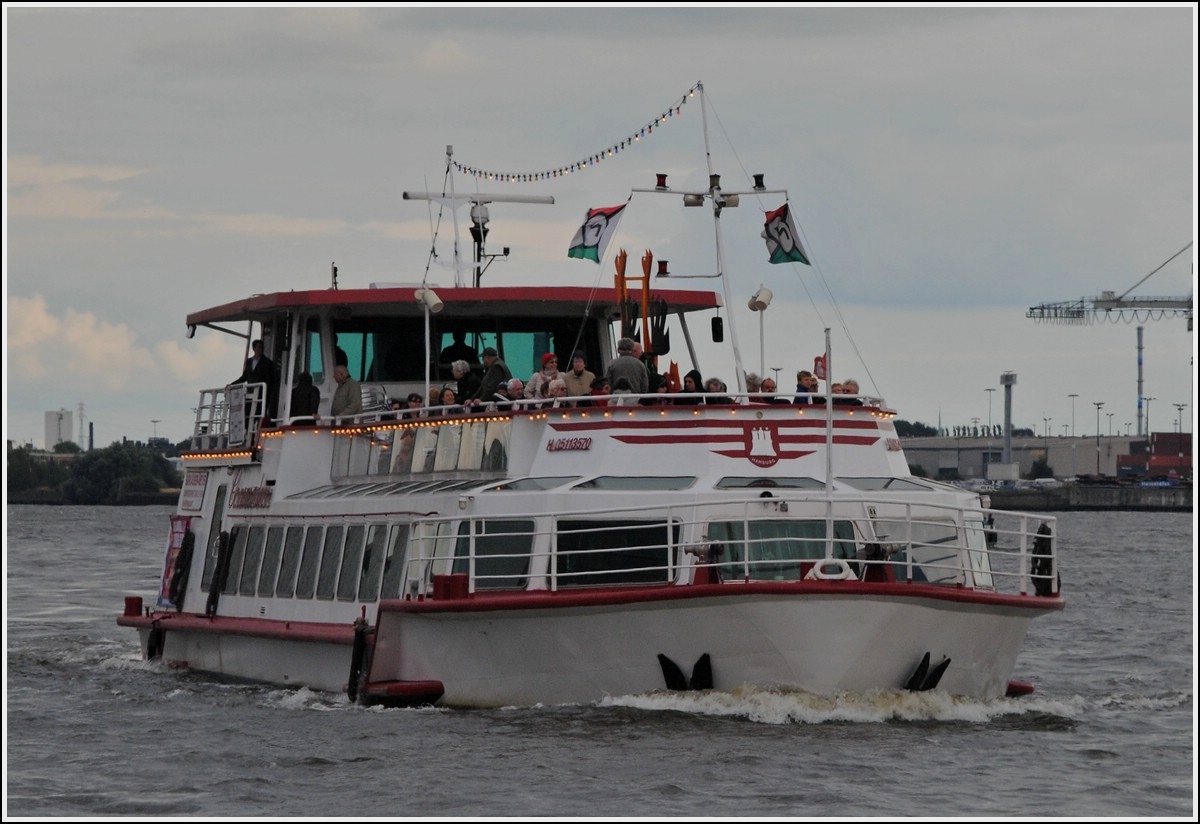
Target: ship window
column 270, row 563
column 233, row 574
column 382, row 349
column 637, row 482
column 893, row 484
column 315, row 361
column 933, row 544
column 625, row 552
column 332, row 554
column 776, row 548
column 347, row 587
column 306, row 581
column 291, row 562
column 393, row 564
column 523, row 484
column 773, row 482
column 501, row 553
column 372, row 563
column 254, row 551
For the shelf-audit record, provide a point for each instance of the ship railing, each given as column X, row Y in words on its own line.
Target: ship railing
column 863, row 538
column 229, row 416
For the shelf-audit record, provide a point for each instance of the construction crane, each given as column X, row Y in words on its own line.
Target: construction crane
column 1110, row 306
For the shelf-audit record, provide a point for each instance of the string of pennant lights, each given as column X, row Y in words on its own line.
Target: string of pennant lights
column 586, row 163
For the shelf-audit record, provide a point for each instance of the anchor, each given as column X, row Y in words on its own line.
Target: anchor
column 923, row 678
column 702, row 677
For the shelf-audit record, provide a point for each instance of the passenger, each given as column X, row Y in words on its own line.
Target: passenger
column 626, row 365
column 555, row 391
column 258, row 368
column 753, row 382
column 847, row 387
column 806, row 388
column 659, row 386
column 619, row 392
column 509, row 392
column 306, row 399
column 413, row 405
column 769, row 388
column 347, row 398
column 715, row 387
column 495, row 376
column 692, row 383
column 459, row 350
column 578, row 379
column 469, row 383
column 539, row 382
column 339, row 354
column 601, row 391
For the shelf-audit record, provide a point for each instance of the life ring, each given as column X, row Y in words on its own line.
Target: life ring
column 821, row 572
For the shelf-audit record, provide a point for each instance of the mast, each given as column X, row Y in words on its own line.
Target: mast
column 719, row 199
column 479, row 215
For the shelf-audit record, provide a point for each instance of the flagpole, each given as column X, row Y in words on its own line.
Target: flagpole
column 828, row 416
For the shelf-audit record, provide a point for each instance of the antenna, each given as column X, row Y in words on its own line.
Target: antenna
column 479, row 218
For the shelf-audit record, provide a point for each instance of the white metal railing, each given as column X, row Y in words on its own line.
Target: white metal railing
column 222, row 422
column 944, row 545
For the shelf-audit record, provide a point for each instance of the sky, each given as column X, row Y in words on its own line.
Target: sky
column 947, row 168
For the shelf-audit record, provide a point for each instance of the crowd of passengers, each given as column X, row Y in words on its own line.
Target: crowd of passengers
column 490, row 386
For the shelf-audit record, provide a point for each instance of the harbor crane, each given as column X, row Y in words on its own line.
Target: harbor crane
column 1110, row 306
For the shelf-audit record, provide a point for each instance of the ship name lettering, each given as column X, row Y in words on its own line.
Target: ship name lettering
column 563, row 444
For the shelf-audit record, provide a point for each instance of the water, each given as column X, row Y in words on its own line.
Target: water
column 92, row 730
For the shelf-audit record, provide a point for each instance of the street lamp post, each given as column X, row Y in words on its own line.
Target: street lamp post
column 1098, row 405
column 1066, row 427
column 1046, row 441
column 1147, row 400
column 156, row 423
column 1110, row 417
column 1127, row 425
column 990, row 391
column 1073, row 396
column 1179, row 407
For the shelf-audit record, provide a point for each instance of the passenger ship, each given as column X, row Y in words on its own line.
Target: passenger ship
column 568, row 550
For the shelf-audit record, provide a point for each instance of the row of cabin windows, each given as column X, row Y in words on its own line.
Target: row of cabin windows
column 361, row 562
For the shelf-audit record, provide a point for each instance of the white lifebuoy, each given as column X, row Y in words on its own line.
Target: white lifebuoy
column 830, row 569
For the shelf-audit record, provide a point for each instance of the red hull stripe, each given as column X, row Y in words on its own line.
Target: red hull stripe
column 646, row 595
column 305, row 631
column 849, row 440
column 701, row 423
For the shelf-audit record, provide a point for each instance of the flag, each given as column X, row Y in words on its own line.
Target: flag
column 783, row 244
column 819, row 367
column 595, row 233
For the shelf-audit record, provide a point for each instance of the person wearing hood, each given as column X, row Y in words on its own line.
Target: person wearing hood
column 692, row 382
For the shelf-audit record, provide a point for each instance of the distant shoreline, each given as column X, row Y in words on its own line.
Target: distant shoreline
column 54, row 498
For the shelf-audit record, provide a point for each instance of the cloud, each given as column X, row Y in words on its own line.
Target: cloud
column 76, row 191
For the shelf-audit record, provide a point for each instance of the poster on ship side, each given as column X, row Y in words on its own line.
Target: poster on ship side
column 179, row 528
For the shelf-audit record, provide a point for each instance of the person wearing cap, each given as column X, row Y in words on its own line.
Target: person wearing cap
column 495, row 375
column 539, row 382
column 578, row 379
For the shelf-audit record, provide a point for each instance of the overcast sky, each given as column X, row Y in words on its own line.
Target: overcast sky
column 948, row 169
